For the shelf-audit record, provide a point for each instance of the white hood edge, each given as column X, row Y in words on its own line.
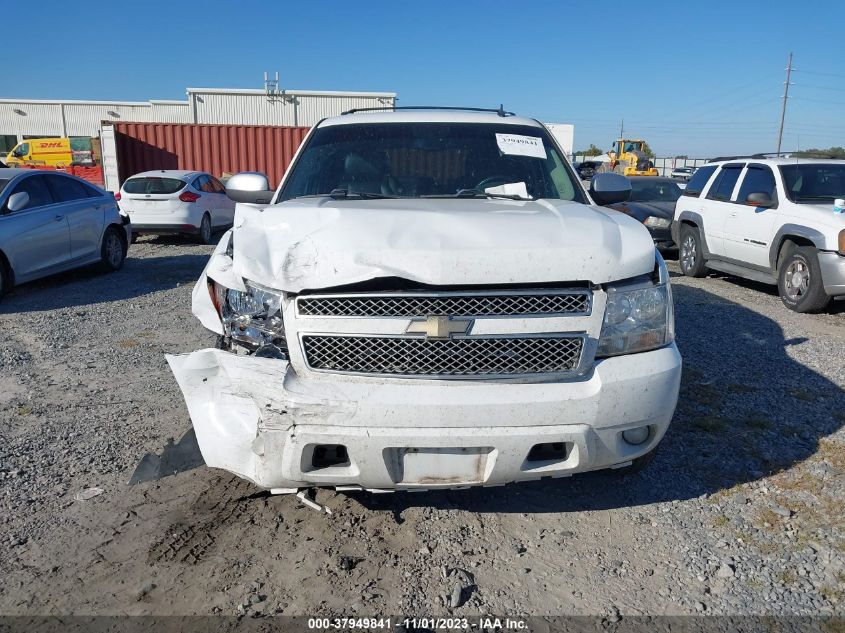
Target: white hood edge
column 322, row 243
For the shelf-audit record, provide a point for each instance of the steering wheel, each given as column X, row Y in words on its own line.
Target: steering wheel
column 492, row 181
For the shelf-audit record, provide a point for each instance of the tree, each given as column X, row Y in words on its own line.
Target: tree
column 647, row 150
column 833, row 152
column 591, row 151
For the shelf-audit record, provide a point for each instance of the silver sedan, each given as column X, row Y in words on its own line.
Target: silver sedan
column 51, row 222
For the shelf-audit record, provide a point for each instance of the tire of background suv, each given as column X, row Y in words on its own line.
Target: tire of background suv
column 800, row 281
column 113, row 250
column 205, row 232
column 690, row 253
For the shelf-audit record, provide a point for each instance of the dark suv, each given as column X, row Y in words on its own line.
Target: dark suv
column 587, row 169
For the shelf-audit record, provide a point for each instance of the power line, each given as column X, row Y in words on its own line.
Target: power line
column 811, row 72
column 818, row 87
column 818, row 100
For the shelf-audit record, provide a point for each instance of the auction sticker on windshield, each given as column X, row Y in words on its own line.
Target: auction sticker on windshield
column 519, row 145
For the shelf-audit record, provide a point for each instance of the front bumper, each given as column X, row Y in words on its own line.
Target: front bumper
column 180, row 220
column 258, row 419
column 833, row 273
column 165, row 229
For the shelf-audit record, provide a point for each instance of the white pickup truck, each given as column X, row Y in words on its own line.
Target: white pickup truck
column 430, row 299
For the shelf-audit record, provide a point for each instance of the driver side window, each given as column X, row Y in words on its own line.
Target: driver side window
column 758, row 179
column 39, row 193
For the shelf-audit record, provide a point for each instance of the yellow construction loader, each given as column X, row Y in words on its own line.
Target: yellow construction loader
column 628, row 158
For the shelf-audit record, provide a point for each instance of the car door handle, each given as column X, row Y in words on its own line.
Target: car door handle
column 59, row 217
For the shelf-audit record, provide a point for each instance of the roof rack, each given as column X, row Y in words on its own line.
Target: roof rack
column 500, row 110
column 758, row 156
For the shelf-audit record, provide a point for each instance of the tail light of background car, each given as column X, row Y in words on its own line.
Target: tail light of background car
column 189, row 196
column 117, row 196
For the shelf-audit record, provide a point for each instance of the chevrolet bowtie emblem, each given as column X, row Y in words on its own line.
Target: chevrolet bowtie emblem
column 439, row 326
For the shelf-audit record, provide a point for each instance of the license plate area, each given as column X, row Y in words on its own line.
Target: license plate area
column 440, row 466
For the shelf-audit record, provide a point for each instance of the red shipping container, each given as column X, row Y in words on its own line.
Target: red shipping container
column 216, row 149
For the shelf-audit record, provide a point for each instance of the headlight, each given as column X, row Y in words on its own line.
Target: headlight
column 657, row 223
column 254, row 317
column 637, row 319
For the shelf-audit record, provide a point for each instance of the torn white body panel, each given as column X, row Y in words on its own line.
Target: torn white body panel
column 319, row 243
column 258, row 419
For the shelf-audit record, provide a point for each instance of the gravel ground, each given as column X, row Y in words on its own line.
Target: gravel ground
column 739, row 513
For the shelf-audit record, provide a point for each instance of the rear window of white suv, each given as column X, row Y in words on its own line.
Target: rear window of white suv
column 153, row 185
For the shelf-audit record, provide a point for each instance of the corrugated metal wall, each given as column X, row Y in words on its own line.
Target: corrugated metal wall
column 236, row 107
column 217, row 149
column 37, row 118
column 83, row 119
column 255, row 109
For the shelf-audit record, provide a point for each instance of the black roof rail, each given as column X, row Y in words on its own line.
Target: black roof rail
column 500, row 110
column 758, row 156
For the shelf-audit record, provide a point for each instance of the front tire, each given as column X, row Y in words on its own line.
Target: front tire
column 113, row 251
column 204, row 235
column 690, row 253
column 800, row 281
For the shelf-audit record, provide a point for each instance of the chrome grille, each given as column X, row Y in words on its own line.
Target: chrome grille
column 469, row 356
column 527, row 303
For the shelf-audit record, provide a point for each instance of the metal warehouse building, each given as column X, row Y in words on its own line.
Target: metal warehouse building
column 31, row 118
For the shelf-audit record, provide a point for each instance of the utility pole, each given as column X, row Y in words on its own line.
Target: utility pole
column 785, row 97
column 622, row 129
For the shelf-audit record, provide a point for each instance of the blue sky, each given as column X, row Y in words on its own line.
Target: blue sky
column 700, row 78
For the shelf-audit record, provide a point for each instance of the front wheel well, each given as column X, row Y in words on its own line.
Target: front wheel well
column 788, row 243
column 6, row 267
column 121, row 231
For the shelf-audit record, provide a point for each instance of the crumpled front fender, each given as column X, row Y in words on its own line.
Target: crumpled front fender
column 227, row 402
column 243, row 407
column 219, row 268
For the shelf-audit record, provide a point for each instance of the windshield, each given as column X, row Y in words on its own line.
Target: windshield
column 153, row 185
column 814, row 182
column 415, row 160
column 654, row 191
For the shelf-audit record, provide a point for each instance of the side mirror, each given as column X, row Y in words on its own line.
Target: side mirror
column 251, row 187
column 759, row 199
column 609, row 188
column 17, row 201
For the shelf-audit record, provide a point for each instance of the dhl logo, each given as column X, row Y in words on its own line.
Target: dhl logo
column 45, row 145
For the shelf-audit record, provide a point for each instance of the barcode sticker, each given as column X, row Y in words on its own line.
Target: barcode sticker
column 518, row 145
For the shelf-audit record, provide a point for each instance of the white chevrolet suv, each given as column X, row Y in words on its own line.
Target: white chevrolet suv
column 769, row 220
column 430, row 299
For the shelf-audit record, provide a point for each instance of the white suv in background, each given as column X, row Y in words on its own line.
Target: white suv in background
column 769, row 220
column 170, row 201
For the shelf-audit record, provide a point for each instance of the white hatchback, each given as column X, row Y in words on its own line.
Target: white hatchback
column 171, row 201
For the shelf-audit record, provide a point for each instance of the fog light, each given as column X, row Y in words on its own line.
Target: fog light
column 636, row 436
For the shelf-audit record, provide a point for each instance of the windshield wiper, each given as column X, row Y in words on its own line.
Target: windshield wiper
column 344, row 194
column 812, row 198
column 476, row 193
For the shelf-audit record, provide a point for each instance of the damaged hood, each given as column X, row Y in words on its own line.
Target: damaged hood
column 319, row 243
